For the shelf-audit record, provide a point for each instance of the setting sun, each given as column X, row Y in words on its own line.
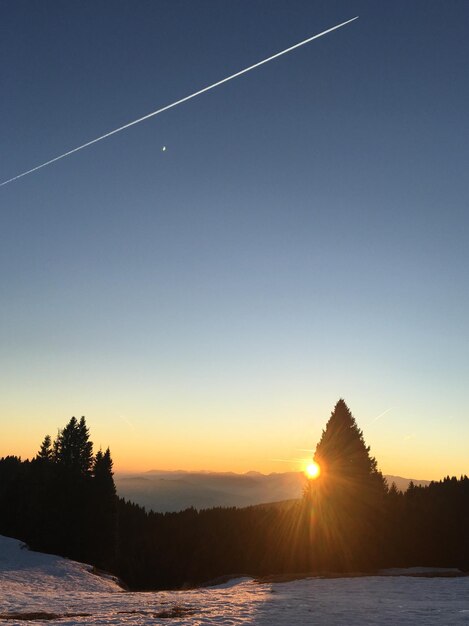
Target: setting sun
column 312, row 470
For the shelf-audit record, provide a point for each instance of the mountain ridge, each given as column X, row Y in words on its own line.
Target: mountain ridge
column 174, row 490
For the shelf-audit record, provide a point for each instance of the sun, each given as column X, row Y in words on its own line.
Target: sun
column 312, row 470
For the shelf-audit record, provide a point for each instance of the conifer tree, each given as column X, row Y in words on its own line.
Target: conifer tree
column 56, row 446
column 104, row 514
column 344, row 457
column 66, row 445
column 73, row 449
column 72, row 492
column 45, row 451
column 85, row 448
column 348, row 498
column 102, row 471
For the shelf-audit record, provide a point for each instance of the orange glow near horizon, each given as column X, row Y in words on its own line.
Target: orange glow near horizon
column 312, row 470
column 139, row 444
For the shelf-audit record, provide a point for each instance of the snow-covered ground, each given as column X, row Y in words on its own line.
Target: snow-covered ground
column 39, row 587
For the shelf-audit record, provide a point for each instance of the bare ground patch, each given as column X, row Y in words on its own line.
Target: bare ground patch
column 39, row 615
column 169, row 613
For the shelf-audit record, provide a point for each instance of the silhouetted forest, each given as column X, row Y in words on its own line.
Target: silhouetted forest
column 64, row 501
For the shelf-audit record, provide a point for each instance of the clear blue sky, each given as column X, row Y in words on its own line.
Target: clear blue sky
column 303, row 237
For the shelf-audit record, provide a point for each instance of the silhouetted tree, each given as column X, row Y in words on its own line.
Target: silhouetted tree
column 344, row 457
column 56, row 446
column 85, row 448
column 73, row 449
column 45, row 451
column 347, row 499
column 103, row 538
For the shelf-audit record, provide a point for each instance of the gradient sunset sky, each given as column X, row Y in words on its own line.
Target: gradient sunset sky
column 303, row 238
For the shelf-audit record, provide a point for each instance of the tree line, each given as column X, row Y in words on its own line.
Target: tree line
column 64, row 501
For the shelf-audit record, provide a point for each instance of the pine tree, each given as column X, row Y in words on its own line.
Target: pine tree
column 56, row 446
column 102, row 470
column 72, row 493
column 66, row 445
column 347, row 501
column 343, row 456
column 85, row 448
column 45, row 451
column 103, row 537
column 73, row 449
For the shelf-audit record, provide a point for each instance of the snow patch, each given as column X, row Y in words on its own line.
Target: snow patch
column 22, row 569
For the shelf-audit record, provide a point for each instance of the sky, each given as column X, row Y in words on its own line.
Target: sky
column 302, row 238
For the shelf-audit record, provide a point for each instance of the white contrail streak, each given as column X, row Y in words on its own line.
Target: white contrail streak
column 378, row 417
column 174, row 104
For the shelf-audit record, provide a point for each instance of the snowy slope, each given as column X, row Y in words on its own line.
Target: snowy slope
column 37, row 586
column 22, row 569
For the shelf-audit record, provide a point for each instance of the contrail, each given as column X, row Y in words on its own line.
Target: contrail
column 174, row 104
column 378, row 417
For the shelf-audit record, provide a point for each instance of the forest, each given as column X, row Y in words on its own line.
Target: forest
column 64, row 501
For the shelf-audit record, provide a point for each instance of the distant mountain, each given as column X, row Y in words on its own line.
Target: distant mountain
column 172, row 491
column 164, row 491
column 403, row 483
